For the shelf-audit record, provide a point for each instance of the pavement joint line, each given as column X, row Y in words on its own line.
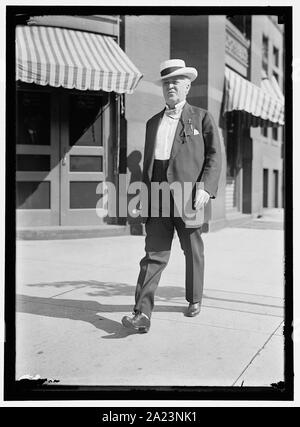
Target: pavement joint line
column 62, row 263
column 241, row 311
column 257, row 353
column 227, row 292
column 70, row 290
column 74, row 264
column 242, row 302
column 216, row 326
column 242, row 293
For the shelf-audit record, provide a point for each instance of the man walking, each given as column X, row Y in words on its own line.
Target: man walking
column 182, row 146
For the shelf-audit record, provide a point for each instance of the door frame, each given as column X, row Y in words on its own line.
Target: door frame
column 84, row 216
column 41, row 217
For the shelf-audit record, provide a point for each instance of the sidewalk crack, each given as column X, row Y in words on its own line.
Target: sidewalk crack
column 257, row 353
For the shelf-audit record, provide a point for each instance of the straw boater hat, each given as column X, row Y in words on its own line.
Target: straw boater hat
column 176, row 67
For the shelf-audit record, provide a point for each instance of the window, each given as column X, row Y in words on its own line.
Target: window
column 83, row 194
column 275, row 56
column 275, row 133
column 265, row 53
column 242, row 23
column 264, row 131
column 33, row 118
column 265, row 48
column 33, row 195
column 85, row 119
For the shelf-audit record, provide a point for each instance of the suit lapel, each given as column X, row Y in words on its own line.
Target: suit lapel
column 151, row 138
column 179, row 134
column 187, row 113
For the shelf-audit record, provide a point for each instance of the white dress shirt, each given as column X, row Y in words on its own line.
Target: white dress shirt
column 166, row 132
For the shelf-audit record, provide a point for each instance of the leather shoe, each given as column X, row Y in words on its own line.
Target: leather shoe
column 193, row 309
column 139, row 322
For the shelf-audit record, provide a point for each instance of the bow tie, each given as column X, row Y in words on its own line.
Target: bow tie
column 174, row 113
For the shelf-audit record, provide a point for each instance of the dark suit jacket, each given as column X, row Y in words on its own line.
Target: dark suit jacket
column 194, row 157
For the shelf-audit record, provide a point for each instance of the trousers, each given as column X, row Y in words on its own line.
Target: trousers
column 159, row 236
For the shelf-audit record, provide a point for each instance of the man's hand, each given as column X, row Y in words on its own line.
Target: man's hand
column 202, row 197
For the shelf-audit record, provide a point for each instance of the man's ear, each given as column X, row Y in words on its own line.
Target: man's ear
column 188, row 86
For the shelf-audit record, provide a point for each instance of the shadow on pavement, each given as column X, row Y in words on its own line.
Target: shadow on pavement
column 86, row 311
column 96, row 289
column 109, row 289
column 163, row 293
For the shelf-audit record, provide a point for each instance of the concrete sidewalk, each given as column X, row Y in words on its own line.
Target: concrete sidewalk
column 72, row 295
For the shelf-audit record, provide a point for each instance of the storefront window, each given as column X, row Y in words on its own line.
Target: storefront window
column 33, row 118
column 33, row 195
column 33, row 162
column 86, row 120
column 86, row 164
column 83, row 195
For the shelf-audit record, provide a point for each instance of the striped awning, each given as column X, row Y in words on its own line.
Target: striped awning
column 73, row 59
column 263, row 106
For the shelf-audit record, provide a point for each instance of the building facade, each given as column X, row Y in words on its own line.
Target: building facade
column 70, row 140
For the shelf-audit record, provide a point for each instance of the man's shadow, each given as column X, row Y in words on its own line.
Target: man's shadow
column 92, row 311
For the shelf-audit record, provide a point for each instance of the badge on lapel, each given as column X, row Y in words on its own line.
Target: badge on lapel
column 189, row 130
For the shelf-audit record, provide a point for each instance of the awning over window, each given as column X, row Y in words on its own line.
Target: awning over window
column 263, row 106
column 73, row 59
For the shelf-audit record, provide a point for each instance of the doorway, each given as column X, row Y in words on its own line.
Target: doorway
column 62, row 154
column 275, row 188
column 234, row 173
column 265, row 188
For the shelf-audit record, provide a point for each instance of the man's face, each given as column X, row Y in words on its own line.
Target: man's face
column 175, row 89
